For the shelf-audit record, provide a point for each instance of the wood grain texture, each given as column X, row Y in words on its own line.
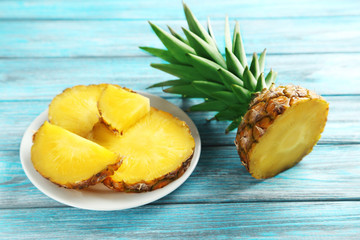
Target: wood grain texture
column 342, row 126
column 22, row 79
column 122, row 38
column 292, row 220
column 47, row 46
column 143, row 9
column 220, row 177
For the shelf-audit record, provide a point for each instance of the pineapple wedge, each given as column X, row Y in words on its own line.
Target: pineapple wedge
column 121, row 108
column 157, row 150
column 75, row 109
column 69, row 160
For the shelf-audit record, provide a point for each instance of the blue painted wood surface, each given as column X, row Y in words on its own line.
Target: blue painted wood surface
column 47, row 46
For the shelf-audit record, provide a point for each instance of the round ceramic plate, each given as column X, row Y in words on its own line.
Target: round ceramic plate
column 99, row 197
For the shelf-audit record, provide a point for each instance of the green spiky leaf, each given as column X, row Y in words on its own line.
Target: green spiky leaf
column 249, row 80
column 233, row 64
column 175, row 34
column 196, row 27
column 186, row 91
column 228, row 43
column 204, row 49
column 180, row 71
column 207, row 68
column 161, row 53
column 233, row 125
column 254, row 66
column 170, row 83
column 177, row 48
column 262, row 61
column 229, row 79
column 238, row 47
column 212, row 105
column 226, row 115
column 260, row 83
column 241, row 93
column 270, row 78
column 225, row 96
column 208, row 87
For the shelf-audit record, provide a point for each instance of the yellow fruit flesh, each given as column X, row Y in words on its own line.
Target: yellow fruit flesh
column 66, row 158
column 120, row 109
column 289, row 138
column 157, row 145
column 76, row 108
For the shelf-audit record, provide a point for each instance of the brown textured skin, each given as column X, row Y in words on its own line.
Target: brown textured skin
column 148, row 186
column 263, row 111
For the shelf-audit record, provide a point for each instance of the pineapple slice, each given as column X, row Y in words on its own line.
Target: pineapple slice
column 121, row 108
column 75, row 109
column 69, row 160
column 157, row 150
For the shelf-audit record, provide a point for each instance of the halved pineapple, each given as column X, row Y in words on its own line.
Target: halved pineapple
column 121, row 108
column 69, row 160
column 156, row 150
column 280, row 128
column 75, row 109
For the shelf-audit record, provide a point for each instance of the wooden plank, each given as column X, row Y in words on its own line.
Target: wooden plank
column 173, row 9
column 292, row 220
column 122, row 38
column 330, row 172
column 342, row 126
column 44, row 78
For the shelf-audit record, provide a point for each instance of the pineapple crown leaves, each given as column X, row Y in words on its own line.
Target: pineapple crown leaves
column 226, row 84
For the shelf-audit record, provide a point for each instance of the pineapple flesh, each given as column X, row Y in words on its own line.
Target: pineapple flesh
column 69, row 160
column 75, row 109
column 157, row 150
column 120, row 108
column 280, row 128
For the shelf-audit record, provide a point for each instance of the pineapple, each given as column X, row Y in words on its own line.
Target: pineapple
column 277, row 127
column 69, row 160
column 120, row 108
column 75, row 109
column 157, row 150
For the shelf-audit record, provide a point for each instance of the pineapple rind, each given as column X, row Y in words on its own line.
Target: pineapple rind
column 264, row 110
column 145, row 186
column 44, row 142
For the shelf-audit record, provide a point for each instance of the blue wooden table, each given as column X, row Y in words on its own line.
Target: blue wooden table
column 47, row 46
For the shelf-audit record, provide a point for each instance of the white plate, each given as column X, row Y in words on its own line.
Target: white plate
column 99, row 197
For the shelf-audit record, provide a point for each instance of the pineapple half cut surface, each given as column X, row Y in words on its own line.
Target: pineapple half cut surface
column 157, row 150
column 280, row 128
column 69, row 160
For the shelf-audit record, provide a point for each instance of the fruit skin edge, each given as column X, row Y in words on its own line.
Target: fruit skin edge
column 144, row 186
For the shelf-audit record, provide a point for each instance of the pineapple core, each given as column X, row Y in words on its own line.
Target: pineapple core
column 157, row 145
column 289, row 138
column 68, row 159
column 120, row 109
